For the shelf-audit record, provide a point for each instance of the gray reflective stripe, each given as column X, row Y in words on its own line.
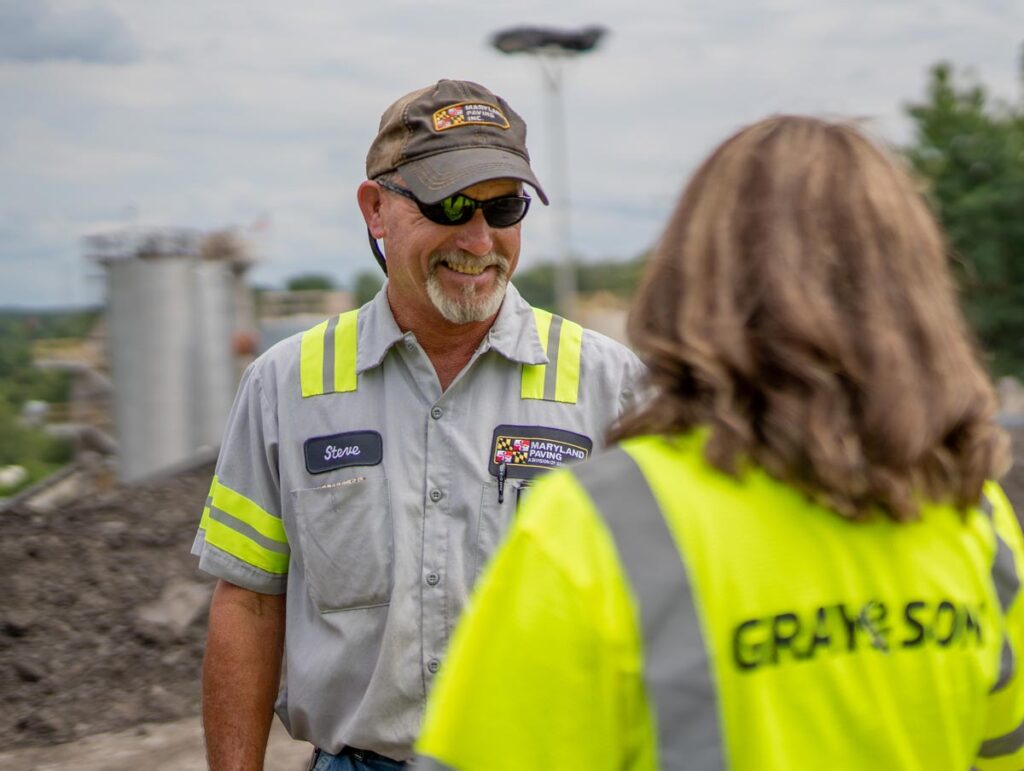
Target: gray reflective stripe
column 424, row 763
column 1004, row 574
column 1007, row 584
column 1005, row 666
column 328, row 375
column 676, row 665
column 1003, row 745
column 248, row 531
column 551, row 371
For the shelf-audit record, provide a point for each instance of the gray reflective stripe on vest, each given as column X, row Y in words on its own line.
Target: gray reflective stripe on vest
column 425, row 763
column 1003, row 745
column 676, row 664
column 1007, row 585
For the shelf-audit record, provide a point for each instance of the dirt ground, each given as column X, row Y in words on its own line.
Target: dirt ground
column 102, row 623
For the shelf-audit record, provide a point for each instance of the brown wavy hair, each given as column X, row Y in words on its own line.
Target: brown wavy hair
column 799, row 305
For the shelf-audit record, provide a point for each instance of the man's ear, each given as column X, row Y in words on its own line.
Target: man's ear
column 371, row 201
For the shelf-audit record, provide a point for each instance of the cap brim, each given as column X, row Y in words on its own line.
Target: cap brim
column 435, row 178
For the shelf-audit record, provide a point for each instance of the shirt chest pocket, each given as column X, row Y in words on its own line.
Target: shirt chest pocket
column 347, row 540
column 495, row 518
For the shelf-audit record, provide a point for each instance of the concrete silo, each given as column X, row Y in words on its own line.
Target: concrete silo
column 171, row 308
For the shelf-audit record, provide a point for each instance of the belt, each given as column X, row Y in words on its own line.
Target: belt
column 368, row 757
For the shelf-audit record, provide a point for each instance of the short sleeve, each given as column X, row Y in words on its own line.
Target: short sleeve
column 533, row 679
column 241, row 537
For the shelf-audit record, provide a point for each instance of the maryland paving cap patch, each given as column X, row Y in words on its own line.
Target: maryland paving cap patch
column 528, row 451
column 469, row 114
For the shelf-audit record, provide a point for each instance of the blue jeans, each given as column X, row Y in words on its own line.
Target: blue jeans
column 353, row 760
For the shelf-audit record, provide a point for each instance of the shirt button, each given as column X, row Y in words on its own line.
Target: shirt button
column 410, row 346
column 433, row 665
column 436, row 413
column 436, row 495
column 433, row 578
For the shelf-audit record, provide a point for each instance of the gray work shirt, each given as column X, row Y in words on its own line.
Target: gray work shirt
column 380, row 558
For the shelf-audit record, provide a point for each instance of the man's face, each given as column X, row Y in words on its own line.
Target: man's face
column 457, row 272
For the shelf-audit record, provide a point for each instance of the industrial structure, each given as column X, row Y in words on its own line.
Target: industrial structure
column 176, row 304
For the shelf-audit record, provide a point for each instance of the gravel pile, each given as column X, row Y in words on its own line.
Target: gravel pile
column 103, row 613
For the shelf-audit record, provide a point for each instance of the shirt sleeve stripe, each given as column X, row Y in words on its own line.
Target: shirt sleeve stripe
column 245, row 510
column 216, row 515
column 241, row 547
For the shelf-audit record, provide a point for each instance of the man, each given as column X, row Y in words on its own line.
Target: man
column 793, row 560
column 371, row 464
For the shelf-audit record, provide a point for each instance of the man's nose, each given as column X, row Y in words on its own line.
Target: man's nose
column 475, row 236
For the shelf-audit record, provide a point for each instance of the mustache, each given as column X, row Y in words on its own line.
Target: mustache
column 460, row 256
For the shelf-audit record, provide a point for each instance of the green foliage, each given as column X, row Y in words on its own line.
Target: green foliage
column 23, row 445
column 537, row 284
column 970, row 151
column 366, row 285
column 20, row 382
column 310, row 281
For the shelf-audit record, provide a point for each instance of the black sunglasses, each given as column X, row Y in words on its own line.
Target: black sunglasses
column 502, row 212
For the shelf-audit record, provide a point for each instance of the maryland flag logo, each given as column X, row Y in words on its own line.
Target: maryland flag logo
column 526, row 451
column 469, row 114
column 512, row 450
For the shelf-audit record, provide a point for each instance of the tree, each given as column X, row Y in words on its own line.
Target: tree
column 310, row 281
column 366, row 285
column 970, row 151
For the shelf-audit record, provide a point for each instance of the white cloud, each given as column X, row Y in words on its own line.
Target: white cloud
column 227, row 111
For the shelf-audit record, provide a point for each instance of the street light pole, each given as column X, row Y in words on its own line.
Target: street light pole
column 552, row 47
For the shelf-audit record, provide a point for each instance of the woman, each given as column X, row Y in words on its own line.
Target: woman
column 794, row 559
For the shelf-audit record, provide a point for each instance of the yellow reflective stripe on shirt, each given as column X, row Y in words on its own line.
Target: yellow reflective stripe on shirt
column 533, row 376
column 327, row 356
column 238, row 526
column 237, row 545
column 345, row 348
column 567, row 383
column 559, row 379
column 311, row 360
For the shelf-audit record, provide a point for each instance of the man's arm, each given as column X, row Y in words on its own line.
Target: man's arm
column 241, row 674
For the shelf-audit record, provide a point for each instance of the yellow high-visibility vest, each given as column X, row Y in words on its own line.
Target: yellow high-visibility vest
column 648, row 611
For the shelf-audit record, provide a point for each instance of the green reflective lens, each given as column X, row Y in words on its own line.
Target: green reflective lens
column 455, row 208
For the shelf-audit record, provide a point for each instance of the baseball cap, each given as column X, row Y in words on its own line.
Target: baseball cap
column 449, row 136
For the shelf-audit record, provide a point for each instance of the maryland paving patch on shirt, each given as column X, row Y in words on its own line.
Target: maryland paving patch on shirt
column 528, row 451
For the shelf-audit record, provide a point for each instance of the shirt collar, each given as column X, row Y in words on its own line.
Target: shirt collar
column 513, row 333
column 378, row 331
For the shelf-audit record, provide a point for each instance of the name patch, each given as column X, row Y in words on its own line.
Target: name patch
column 353, row 448
column 528, row 451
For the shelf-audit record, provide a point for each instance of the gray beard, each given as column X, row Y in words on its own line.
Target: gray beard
column 469, row 306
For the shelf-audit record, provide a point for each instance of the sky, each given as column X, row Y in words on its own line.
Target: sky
column 257, row 115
